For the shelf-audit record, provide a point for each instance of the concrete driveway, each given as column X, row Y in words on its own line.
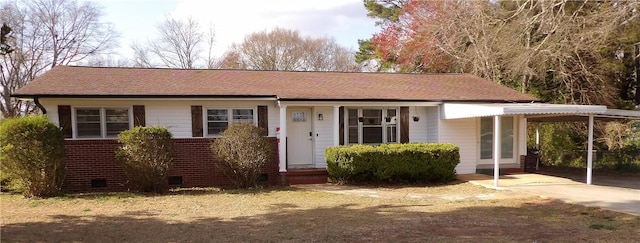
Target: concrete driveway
column 621, row 194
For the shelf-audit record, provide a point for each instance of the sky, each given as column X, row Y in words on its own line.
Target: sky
column 232, row 20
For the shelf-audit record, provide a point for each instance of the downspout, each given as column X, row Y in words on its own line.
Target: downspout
column 636, row 60
column 35, row 100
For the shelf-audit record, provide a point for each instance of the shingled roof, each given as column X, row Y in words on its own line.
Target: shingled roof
column 74, row 81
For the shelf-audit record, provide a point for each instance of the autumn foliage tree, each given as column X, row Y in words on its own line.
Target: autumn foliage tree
column 561, row 51
column 534, row 46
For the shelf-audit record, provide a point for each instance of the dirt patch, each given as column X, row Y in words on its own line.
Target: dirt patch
column 457, row 191
column 296, row 214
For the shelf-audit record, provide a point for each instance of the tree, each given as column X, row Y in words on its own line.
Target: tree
column 551, row 49
column 5, row 48
column 180, row 44
column 368, row 56
column 46, row 33
column 561, row 51
column 385, row 11
column 282, row 49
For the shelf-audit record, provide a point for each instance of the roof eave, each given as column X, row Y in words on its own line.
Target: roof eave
column 137, row 96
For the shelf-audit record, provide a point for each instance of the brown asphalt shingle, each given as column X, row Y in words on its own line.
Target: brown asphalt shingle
column 100, row 81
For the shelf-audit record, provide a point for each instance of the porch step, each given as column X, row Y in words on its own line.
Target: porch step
column 307, row 176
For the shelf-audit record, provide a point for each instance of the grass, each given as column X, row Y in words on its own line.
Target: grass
column 295, row 214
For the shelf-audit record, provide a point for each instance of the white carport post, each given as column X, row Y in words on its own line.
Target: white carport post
column 590, row 150
column 496, row 150
column 282, row 146
column 336, row 125
column 538, row 145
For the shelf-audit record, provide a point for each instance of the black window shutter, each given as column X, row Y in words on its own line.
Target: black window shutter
column 196, row 121
column 139, row 116
column 64, row 119
column 404, row 124
column 263, row 119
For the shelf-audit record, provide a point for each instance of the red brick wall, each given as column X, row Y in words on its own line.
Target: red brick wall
column 95, row 159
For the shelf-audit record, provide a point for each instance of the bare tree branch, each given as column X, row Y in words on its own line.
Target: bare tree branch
column 282, row 49
column 47, row 33
column 180, row 44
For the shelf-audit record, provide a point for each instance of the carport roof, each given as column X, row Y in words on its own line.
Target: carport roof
column 536, row 112
column 609, row 114
column 470, row 110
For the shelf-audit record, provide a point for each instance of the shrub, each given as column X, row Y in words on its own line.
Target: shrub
column 241, row 151
column 393, row 162
column 32, row 155
column 146, row 153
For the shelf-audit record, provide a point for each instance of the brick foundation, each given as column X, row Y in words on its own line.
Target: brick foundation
column 89, row 160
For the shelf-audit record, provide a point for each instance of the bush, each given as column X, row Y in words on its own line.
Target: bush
column 241, row 151
column 393, row 162
column 32, row 155
column 146, row 153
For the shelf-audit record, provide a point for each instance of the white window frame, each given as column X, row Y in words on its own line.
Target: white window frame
column 514, row 134
column 103, row 120
column 205, row 118
column 384, row 124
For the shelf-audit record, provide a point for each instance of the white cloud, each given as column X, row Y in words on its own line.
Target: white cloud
column 344, row 20
column 232, row 20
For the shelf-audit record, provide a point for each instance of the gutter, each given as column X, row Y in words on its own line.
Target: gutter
column 84, row 96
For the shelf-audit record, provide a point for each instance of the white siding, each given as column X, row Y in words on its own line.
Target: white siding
column 52, row 111
column 174, row 114
column 324, row 133
column 418, row 130
column 433, row 123
column 274, row 119
column 522, row 135
column 462, row 132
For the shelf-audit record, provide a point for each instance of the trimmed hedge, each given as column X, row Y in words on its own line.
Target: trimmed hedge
column 398, row 162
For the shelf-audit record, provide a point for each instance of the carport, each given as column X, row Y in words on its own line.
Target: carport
column 536, row 112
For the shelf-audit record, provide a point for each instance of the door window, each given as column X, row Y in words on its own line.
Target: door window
column 506, row 137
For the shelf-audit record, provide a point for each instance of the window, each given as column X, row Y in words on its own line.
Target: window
column 354, row 127
column 392, row 127
column 372, row 126
column 299, row 116
column 101, row 122
column 117, row 120
column 506, row 137
column 88, row 122
column 218, row 119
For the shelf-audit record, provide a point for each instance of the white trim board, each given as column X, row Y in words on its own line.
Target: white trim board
column 461, row 110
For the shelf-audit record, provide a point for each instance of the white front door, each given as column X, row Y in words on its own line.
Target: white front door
column 299, row 137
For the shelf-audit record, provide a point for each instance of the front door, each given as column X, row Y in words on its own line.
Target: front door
column 299, row 137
